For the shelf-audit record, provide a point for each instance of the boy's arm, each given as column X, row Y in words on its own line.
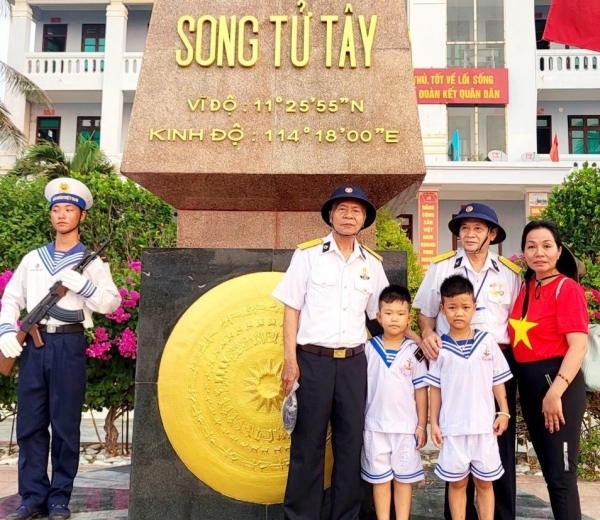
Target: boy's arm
column 435, row 405
column 502, row 417
column 421, row 402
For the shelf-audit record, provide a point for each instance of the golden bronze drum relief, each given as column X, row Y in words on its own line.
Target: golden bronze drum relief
column 219, row 391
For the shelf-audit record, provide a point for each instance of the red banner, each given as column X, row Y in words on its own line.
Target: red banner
column 428, row 226
column 462, row 86
column 574, row 22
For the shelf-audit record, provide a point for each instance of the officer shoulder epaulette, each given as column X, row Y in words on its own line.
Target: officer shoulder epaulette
column 310, row 243
column 443, row 256
column 379, row 257
column 511, row 265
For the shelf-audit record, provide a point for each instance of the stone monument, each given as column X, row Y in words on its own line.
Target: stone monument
column 247, row 115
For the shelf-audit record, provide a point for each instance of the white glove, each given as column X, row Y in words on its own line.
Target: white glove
column 72, row 280
column 9, row 345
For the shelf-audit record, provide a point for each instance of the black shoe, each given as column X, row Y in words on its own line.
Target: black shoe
column 59, row 512
column 24, row 513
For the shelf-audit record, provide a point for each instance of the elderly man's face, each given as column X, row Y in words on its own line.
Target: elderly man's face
column 348, row 216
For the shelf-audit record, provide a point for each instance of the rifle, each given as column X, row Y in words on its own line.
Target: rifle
column 29, row 325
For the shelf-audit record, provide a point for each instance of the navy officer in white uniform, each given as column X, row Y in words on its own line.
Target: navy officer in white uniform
column 497, row 282
column 52, row 378
column 330, row 284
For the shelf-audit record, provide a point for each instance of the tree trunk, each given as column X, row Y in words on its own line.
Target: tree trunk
column 112, row 434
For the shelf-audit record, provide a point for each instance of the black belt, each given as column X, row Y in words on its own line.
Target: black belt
column 62, row 329
column 338, row 353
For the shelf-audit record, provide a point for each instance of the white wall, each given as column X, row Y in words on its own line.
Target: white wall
column 4, row 26
column 68, row 123
column 560, row 122
column 137, row 30
column 127, row 107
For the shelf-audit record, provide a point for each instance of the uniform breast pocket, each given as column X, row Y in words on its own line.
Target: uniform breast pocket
column 321, row 289
column 363, row 289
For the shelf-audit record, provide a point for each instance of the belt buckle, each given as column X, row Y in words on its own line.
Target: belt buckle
column 339, row 353
column 51, row 329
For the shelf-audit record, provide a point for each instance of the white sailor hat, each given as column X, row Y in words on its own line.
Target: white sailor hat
column 65, row 190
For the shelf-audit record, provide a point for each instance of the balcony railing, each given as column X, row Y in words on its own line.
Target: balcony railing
column 568, row 69
column 132, row 61
column 65, row 63
column 568, row 60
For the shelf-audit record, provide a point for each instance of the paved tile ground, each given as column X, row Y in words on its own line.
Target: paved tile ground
column 104, row 494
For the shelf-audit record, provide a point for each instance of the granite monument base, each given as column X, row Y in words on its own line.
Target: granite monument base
column 172, row 280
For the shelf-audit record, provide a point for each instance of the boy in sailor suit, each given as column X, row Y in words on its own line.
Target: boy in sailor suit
column 396, row 413
column 52, row 378
column 467, row 375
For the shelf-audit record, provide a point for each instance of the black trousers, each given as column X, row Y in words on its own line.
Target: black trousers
column 557, row 452
column 50, row 392
column 505, row 488
column 330, row 390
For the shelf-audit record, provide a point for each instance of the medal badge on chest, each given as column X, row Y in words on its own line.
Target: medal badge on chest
column 365, row 275
column 496, row 292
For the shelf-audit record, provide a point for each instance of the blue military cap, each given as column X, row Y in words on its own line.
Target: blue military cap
column 348, row 191
column 65, row 190
column 478, row 211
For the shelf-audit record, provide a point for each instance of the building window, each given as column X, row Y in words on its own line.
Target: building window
column 406, row 223
column 54, row 38
column 584, row 134
column 544, row 134
column 88, row 128
column 475, row 33
column 48, row 129
column 480, row 130
column 93, row 37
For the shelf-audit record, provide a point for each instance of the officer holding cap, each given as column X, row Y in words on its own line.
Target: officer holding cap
column 497, row 283
column 329, row 285
column 52, row 378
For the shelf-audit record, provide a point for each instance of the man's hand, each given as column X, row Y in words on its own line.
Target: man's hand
column 431, row 345
column 9, row 345
column 289, row 375
column 72, row 280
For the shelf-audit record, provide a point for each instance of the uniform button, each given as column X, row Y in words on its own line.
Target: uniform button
column 344, row 308
column 345, row 286
column 323, row 283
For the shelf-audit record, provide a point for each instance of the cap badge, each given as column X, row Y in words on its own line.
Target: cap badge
column 63, row 187
column 468, row 209
column 348, row 190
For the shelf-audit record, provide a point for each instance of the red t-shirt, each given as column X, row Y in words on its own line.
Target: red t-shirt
column 542, row 333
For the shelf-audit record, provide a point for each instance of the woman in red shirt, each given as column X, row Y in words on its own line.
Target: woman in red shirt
column 548, row 332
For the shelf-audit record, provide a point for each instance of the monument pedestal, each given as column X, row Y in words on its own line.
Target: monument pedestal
column 172, row 280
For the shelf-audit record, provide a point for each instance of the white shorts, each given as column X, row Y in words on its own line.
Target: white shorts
column 387, row 456
column 464, row 454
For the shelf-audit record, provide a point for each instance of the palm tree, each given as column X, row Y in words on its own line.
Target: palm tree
column 47, row 158
column 10, row 135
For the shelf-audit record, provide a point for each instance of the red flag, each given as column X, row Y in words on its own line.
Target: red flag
column 574, row 22
column 554, row 149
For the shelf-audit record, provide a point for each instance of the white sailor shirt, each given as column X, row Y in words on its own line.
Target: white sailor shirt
column 391, row 386
column 332, row 294
column 496, row 289
column 40, row 269
column 466, row 371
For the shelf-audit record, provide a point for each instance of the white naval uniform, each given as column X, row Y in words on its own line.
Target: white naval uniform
column 332, row 294
column 466, row 371
column 40, row 269
column 389, row 449
column 496, row 289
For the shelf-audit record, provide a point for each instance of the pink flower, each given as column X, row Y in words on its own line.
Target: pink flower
column 123, row 292
column 596, row 295
column 136, row 266
column 597, row 315
column 100, row 335
column 119, row 315
column 129, row 280
column 99, row 350
column 127, row 344
column 4, row 279
column 134, row 297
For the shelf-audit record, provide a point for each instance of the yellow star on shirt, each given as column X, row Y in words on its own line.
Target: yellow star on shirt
column 521, row 328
